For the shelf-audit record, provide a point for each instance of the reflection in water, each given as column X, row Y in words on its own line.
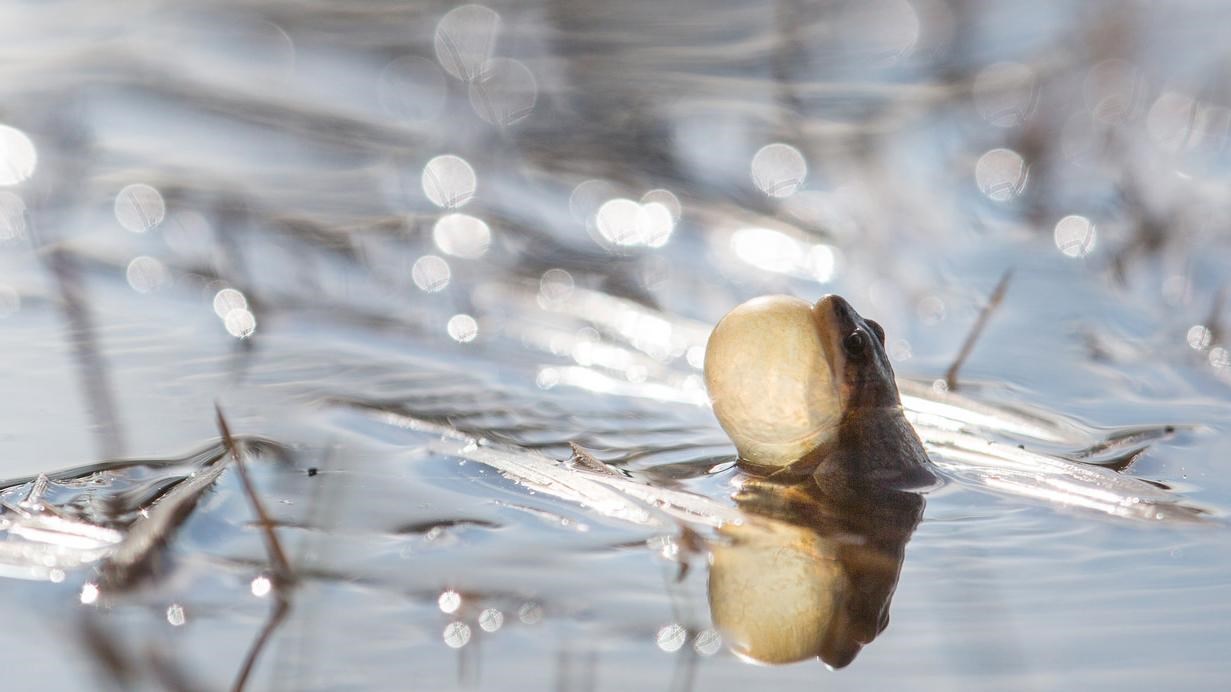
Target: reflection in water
column 18, row 157
column 140, row 208
column 814, row 574
column 778, row 169
column 491, row 619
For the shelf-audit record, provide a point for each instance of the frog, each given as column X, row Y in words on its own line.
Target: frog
column 810, row 387
column 831, row 480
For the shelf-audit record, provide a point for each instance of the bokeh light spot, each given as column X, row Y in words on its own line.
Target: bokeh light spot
column 1199, row 337
column 430, row 273
column 1220, row 358
column 462, row 235
column 228, row 299
column 622, row 222
column 670, row 638
column 555, row 287
column 449, row 601
column 462, row 328
column 707, row 643
column 1001, row 174
column 261, row 586
column 449, row 181
column 491, row 620
column 146, row 274
column 139, row 208
column 666, row 198
column 18, row 157
column 1075, row 235
column 457, row 634
column 240, row 323
column 504, row 93
column 778, row 169
column 530, row 613
column 465, row 40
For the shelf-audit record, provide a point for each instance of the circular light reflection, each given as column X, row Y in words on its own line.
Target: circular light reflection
column 175, row 615
column 666, row 198
column 1075, row 235
column 1199, row 337
column 778, row 169
column 449, row 601
column 430, row 273
column 555, row 287
column 504, row 93
column 1001, row 174
column 671, row 637
column 462, row 328
column 491, row 620
column 229, row 299
column 466, row 39
column 707, row 643
column 261, row 586
column 462, row 235
column 457, row 634
column 1220, row 358
column 12, row 216
column 146, row 274
column 240, row 323
column 139, row 208
column 622, row 222
column 18, row 157
column 530, row 613
column 449, row 181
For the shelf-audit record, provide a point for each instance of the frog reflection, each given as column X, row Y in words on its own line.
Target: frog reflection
column 812, row 574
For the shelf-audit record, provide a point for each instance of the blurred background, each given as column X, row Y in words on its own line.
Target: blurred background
column 517, row 221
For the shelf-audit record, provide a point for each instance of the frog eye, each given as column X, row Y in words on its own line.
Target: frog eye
column 856, row 343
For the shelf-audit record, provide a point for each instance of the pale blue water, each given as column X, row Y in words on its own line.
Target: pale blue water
column 287, row 167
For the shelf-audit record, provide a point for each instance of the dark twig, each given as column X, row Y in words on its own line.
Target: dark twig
column 277, row 558
column 281, row 607
column 967, row 346
column 282, row 576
